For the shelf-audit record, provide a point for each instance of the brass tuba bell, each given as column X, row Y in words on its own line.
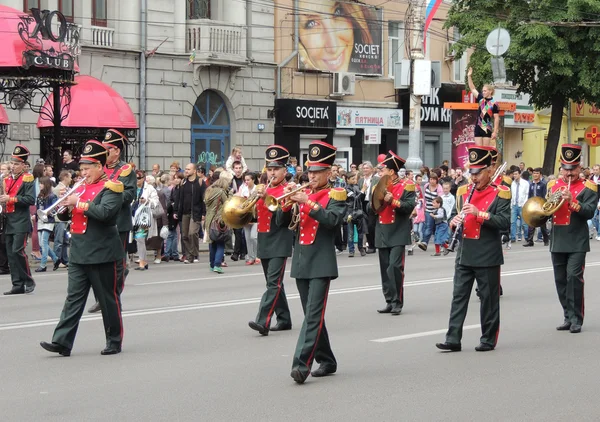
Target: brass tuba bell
column 239, row 211
column 537, row 210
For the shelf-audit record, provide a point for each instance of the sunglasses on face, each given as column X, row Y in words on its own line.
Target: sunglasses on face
column 140, row 177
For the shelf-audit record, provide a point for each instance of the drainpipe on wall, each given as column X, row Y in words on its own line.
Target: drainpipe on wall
column 294, row 53
column 143, row 85
column 249, row 30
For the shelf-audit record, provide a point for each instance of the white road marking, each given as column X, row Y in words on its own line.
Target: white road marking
column 423, row 334
column 238, row 302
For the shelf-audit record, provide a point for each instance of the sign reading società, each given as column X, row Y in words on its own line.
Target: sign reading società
column 304, row 113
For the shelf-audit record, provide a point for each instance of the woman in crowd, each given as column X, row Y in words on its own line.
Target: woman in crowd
column 214, row 198
column 173, row 239
column 38, row 172
column 250, row 230
column 44, row 200
column 356, row 216
column 156, row 243
column 146, row 196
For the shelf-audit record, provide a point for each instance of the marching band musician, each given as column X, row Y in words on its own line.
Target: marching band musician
column 479, row 257
column 321, row 212
column 96, row 255
column 18, row 196
column 393, row 233
column 569, row 241
column 274, row 246
column 116, row 169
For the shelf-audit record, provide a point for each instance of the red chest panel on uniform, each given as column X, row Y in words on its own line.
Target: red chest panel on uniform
column 263, row 215
column 11, row 187
column 308, row 225
column 388, row 214
column 482, row 200
column 562, row 216
column 78, row 219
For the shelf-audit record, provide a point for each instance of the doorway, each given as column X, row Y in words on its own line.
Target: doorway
column 210, row 130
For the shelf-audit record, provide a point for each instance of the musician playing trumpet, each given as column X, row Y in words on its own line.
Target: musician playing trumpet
column 484, row 215
column 274, row 246
column 570, row 241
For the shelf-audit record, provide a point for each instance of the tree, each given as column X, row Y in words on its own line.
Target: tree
column 553, row 55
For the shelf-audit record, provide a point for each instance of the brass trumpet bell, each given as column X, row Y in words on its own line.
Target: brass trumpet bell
column 537, row 211
column 273, row 203
column 238, row 211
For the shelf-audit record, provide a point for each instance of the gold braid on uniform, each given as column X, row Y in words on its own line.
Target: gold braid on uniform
column 126, row 170
column 28, row 177
column 591, row 185
column 504, row 192
column 338, row 194
column 295, row 217
column 114, row 186
column 410, row 187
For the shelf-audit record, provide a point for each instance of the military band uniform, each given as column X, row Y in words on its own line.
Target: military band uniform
column 95, row 260
column 314, row 265
column 479, row 257
column 274, row 248
column 20, row 189
column 392, row 234
column 569, row 241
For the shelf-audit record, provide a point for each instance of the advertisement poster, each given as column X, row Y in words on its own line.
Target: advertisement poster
column 463, row 129
column 340, row 37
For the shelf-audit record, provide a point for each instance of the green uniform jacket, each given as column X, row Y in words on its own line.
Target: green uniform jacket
column 487, row 250
column 19, row 221
column 318, row 260
column 277, row 242
column 100, row 243
column 128, row 178
column 574, row 236
column 397, row 233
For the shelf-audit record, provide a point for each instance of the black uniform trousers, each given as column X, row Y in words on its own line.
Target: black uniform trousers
column 274, row 299
column 488, row 282
column 124, row 240
column 313, row 342
column 391, row 267
column 371, row 224
column 568, row 277
column 531, row 232
column 3, row 256
column 104, row 279
column 20, row 274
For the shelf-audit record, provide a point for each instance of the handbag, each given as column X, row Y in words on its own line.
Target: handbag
column 218, row 231
column 158, row 211
column 164, row 232
column 143, row 216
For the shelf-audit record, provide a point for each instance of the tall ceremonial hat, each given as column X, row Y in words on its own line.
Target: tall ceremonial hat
column 393, row 161
column 479, row 158
column 570, row 156
column 321, row 156
column 93, row 153
column 493, row 151
column 20, row 154
column 114, row 138
column 276, row 156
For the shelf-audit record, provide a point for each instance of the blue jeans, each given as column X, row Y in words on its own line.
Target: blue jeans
column 61, row 242
column 351, row 226
column 171, row 249
column 418, row 229
column 217, row 251
column 44, row 236
column 429, row 228
column 441, row 233
column 518, row 228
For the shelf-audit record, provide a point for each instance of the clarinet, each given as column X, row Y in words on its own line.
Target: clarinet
column 458, row 230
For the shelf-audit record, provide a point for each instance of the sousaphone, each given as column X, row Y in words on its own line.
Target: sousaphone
column 382, row 187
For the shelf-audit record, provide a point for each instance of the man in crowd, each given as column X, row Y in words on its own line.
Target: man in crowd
column 239, row 247
column 458, row 181
column 191, row 212
column 156, row 171
column 520, row 194
column 68, row 162
column 537, row 188
column 61, row 238
column 366, row 184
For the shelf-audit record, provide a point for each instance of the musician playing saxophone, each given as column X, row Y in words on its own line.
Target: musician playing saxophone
column 479, row 254
column 274, row 246
column 569, row 241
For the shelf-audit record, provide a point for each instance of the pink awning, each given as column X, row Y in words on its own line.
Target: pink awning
column 94, row 104
column 3, row 116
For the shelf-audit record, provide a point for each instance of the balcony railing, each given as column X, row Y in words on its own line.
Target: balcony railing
column 216, row 41
column 101, row 36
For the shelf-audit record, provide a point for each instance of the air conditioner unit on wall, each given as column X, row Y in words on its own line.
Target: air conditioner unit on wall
column 343, row 83
column 449, row 53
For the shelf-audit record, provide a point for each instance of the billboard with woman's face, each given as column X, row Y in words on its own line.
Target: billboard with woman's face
column 337, row 36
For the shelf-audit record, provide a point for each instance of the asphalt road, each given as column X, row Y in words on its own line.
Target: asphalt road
column 189, row 355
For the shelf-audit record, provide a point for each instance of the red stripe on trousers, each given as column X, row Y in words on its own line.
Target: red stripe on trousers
column 25, row 256
column 117, row 300
column 312, row 354
column 582, row 292
column 499, row 285
column 401, row 289
column 279, row 281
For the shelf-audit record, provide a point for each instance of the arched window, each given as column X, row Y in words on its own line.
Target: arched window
column 210, row 130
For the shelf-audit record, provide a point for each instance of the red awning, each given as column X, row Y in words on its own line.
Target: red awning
column 3, row 117
column 11, row 53
column 94, row 104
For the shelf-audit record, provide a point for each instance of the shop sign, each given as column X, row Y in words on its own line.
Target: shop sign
column 584, row 110
column 304, row 113
column 520, row 113
column 433, row 113
column 372, row 136
column 592, row 136
column 384, row 118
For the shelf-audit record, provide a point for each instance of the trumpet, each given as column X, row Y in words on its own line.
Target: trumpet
column 53, row 209
column 273, row 203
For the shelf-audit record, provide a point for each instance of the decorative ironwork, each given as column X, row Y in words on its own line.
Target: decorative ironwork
column 35, row 92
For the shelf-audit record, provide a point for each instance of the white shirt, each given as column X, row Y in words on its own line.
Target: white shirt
column 523, row 192
column 449, row 204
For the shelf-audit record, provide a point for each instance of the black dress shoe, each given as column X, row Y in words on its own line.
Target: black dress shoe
column 111, row 350
column 363, row 252
column 56, row 348
column 30, row 288
column 575, row 328
column 386, row 310
column 56, row 265
column 281, row 327
column 257, row 327
column 528, row 245
column 94, row 308
column 451, row 347
column 396, row 310
column 484, row 347
column 235, row 257
column 15, row 291
column 564, row 326
column 297, row 376
column 323, row 371
column 371, row 250
column 4, row 272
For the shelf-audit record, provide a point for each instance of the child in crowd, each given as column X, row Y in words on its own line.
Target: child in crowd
column 449, row 202
column 236, row 155
column 441, row 226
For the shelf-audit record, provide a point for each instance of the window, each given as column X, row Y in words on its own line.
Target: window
column 198, row 9
column 66, row 8
column 99, row 12
column 29, row 4
column 459, row 65
column 395, row 44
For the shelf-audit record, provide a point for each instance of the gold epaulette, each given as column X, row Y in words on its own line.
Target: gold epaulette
column 114, row 186
column 410, row 186
column 504, row 192
column 462, row 190
column 125, row 170
column 507, row 180
column 338, row 194
column 28, row 177
column 551, row 183
column 591, row 185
